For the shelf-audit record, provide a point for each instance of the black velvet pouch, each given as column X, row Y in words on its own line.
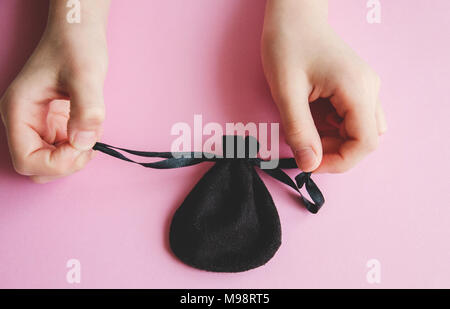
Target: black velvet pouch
column 228, row 222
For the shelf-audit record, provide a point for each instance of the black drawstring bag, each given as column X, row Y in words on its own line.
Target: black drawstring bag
column 228, row 222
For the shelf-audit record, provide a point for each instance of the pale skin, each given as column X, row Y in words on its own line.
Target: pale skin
column 53, row 111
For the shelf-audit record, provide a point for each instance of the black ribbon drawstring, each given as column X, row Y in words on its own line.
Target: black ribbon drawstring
column 182, row 159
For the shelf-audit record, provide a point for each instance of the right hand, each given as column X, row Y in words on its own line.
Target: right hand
column 304, row 60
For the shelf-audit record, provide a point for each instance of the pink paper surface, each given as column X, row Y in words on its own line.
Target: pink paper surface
column 172, row 59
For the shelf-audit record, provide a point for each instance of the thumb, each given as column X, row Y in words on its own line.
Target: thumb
column 87, row 113
column 300, row 130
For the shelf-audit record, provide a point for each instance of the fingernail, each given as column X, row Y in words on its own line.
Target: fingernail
column 306, row 159
column 84, row 140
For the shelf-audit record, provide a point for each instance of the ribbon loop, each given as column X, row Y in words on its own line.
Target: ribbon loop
column 313, row 191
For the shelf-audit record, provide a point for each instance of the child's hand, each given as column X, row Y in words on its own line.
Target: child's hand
column 48, row 136
column 305, row 60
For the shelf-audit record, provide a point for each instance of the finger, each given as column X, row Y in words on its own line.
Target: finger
column 381, row 119
column 87, row 113
column 62, row 161
column 331, row 144
column 34, row 157
column 80, row 163
column 359, row 130
column 300, row 130
column 44, row 179
column 334, row 120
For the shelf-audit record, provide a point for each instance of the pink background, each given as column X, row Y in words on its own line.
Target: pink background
column 172, row 59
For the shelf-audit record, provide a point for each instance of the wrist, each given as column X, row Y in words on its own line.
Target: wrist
column 297, row 16
column 93, row 19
